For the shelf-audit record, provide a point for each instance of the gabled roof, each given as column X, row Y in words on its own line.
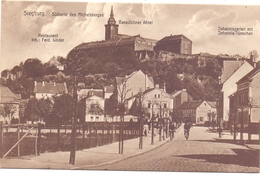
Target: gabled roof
column 174, row 94
column 249, row 75
column 196, row 104
column 120, row 80
column 50, row 88
column 7, row 96
column 229, row 67
column 212, row 104
column 150, row 90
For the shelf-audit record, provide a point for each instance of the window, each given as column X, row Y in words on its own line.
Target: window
column 155, row 96
column 149, row 105
column 91, row 118
column 97, row 118
column 159, row 95
column 201, row 118
column 164, row 105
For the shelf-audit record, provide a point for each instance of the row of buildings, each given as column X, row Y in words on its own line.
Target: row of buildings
column 239, row 95
column 136, row 91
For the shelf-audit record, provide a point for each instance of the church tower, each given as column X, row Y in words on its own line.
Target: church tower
column 111, row 27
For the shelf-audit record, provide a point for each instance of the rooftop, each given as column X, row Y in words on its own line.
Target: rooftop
column 50, row 88
column 7, row 96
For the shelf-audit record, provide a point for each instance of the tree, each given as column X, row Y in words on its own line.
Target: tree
column 8, row 110
column 63, row 107
column 50, row 69
column 30, row 110
column 62, row 111
column 44, row 108
column 95, row 109
column 33, row 68
column 4, row 74
column 16, row 71
column 81, row 110
column 111, row 106
column 74, row 65
column 122, row 91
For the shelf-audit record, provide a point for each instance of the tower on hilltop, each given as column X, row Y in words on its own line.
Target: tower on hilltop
column 111, row 32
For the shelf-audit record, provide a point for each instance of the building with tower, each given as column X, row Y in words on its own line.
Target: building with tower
column 111, row 27
column 143, row 47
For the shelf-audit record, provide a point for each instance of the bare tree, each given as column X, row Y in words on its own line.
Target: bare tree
column 122, row 91
column 75, row 63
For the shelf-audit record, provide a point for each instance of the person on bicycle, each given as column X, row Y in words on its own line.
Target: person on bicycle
column 187, row 127
column 172, row 130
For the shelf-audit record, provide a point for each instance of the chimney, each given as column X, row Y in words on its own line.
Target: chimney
column 183, row 90
column 35, row 83
column 54, row 84
column 42, row 83
column 157, row 86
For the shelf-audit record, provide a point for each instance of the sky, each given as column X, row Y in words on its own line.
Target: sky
column 199, row 23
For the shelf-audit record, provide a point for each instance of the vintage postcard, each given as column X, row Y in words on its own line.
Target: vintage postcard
column 148, row 86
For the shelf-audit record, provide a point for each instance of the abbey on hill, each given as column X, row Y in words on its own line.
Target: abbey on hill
column 143, row 47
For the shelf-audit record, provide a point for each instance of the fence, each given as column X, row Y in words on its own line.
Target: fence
column 37, row 139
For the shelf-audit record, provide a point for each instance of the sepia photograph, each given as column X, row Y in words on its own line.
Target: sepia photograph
column 136, row 86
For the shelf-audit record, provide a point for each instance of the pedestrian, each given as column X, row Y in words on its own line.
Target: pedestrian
column 145, row 129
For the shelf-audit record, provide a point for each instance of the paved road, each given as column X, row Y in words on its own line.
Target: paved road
column 200, row 153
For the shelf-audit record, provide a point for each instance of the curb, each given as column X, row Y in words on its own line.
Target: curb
column 129, row 156
column 251, row 148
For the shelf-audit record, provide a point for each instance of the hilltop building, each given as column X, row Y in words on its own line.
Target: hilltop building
column 143, row 47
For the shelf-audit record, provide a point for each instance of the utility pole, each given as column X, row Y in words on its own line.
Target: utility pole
column 73, row 124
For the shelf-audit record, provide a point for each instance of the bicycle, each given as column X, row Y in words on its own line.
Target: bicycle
column 186, row 134
column 171, row 134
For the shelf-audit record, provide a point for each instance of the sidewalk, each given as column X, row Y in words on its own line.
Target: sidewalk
column 85, row 158
column 254, row 144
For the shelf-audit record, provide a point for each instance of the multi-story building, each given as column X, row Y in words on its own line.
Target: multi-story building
column 155, row 102
column 178, row 44
column 248, row 98
column 132, row 84
column 232, row 72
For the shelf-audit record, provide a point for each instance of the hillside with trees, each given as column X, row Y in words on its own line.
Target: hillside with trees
column 99, row 68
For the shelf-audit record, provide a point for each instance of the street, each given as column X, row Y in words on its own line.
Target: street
column 202, row 152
